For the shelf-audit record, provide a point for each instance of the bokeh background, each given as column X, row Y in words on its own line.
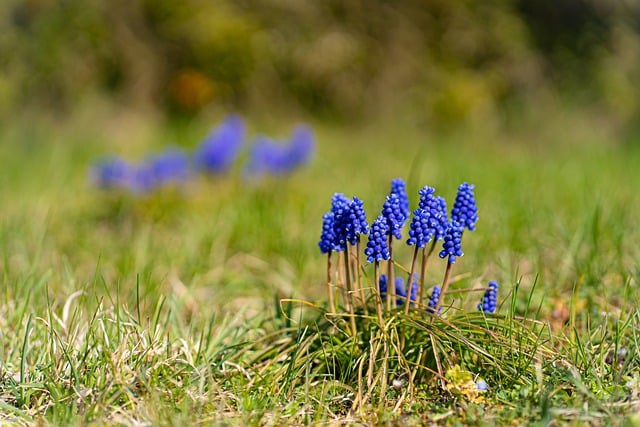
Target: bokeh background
column 444, row 64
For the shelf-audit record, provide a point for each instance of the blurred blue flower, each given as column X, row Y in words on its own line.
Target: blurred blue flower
column 401, row 292
column 452, row 246
column 481, row 385
column 141, row 179
column 268, row 156
column 110, row 173
column 169, row 167
column 377, row 247
column 433, row 299
column 221, row 147
column 383, row 286
column 490, row 299
column 465, row 211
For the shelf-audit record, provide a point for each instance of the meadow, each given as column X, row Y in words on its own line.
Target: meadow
column 193, row 305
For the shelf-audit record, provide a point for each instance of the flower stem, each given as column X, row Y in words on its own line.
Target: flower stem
column 359, row 280
column 407, row 302
column 391, row 283
column 349, row 300
column 332, row 303
column 445, row 286
column 426, row 256
column 376, row 277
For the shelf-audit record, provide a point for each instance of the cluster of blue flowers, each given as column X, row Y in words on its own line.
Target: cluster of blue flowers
column 401, row 291
column 490, row 299
column 346, row 222
column 216, row 155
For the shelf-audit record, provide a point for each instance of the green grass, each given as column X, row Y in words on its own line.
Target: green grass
column 165, row 309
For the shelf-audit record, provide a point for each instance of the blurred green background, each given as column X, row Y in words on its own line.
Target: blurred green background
column 444, row 64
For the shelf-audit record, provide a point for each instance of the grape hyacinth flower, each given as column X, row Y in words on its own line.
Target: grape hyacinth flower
column 419, row 231
column 393, row 215
column 490, row 299
column 433, row 300
column 269, row 156
column 141, row 179
column 436, row 208
column 401, row 292
column 452, row 246
column 377, row 248
column 327, row 237
column 169, row 167
column 110, row 173
column 451, row 249
column 357, row 221
column 376, row 251
column 221, row 147
column 382, row 286
column 356, row 226
column 465, row 211
column 340, row 207
column 429, row 223
column 399, row 188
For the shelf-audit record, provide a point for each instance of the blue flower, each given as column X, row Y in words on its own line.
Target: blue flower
column 301, row 147
column 419, row 232
column 170, row 166
column 433, row 299
column 269, row 156
column 383, row 286
column 452, row 246
column 111, row 173
column 340, row 207
column 490, row 299
column 465, row 211
column 436, row 211
column 413, row 296
column 401, row 292
column 221, row 147
column 377, row 247
column 357, row 221
column 481, row 385
column 399, row 188
column 393, row 216
column 141, row 179
column 327, row 237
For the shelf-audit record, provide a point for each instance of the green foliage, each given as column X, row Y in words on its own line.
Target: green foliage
column 448, row 62
column 115, row 309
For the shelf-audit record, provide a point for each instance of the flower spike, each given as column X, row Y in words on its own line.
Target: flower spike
column 490, row 299
column 465, row 210
column 377, row 248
